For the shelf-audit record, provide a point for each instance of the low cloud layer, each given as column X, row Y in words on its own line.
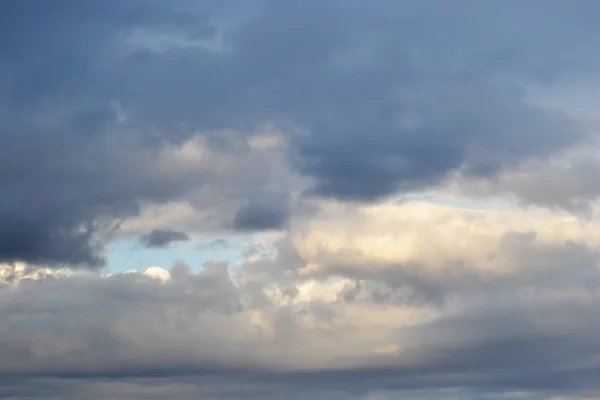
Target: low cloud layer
column 509, row 312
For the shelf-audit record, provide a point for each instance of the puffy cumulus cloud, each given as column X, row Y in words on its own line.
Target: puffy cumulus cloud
column 13, row 273
column 446, row 248
column 157, row 273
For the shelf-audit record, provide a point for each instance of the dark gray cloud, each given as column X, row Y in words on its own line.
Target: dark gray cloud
column 380, row 98
column 241, row 387
column 67, row 162
column 160, row 238
column 515, row 347
column 261, row 216
column 403, row 120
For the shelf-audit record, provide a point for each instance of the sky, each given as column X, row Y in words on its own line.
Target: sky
column 293, row 200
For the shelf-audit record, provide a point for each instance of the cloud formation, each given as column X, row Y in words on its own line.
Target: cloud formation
column 311, row 131
column 160, row 238
column 372, row 101
column 529, row 328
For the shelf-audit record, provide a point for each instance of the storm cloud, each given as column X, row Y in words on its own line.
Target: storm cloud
column 372, row 99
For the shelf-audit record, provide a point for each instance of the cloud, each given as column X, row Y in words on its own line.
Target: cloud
column 72, row 158
column 212, row 388
column 14, row 273
column 568, row 182
column 160, row 238
column 296, row 124
column 183, row 328
column 372, row 102
column 257, row 216
column 219, row 244
column 440, row 247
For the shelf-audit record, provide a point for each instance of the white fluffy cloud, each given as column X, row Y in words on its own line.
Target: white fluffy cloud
column 441, row 241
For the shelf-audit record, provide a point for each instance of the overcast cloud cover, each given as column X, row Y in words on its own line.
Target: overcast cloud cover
column 416, row 184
